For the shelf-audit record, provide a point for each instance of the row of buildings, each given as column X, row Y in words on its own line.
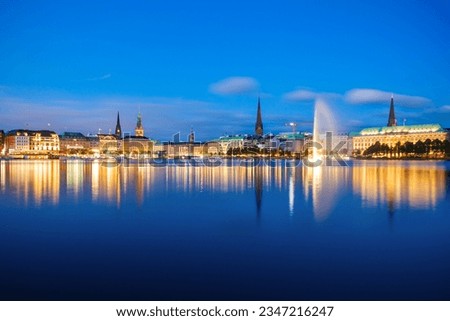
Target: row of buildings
column 394, row 138
column 46, row 144
column 20, row 143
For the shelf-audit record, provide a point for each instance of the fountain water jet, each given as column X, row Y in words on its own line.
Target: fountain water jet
column 324, row 182
column 324, row 121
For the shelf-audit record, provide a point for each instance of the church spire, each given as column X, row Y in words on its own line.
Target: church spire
column 259, row 124
column 191, row 137
column 118, row 131
column 392, row 121
column 139, row 130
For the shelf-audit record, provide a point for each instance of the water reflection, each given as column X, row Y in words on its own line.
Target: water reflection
column 375, row 184
column 324, row 186
column 291, row 192
column 417, row 186
column 31, row 184
column 258, row 189
column 74, row 177
column 95, row 180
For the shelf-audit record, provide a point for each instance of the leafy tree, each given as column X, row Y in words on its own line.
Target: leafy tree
column 397, row 149
column 437, row 146
column 447, row 147
column 408, row 148
column 385, row 149
column 419, row 147
column 373, row 149
column 428, row 146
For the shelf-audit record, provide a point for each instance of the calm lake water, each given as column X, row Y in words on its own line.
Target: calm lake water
column 78, row 230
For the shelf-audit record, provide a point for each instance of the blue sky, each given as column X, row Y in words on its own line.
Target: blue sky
column 71, row 65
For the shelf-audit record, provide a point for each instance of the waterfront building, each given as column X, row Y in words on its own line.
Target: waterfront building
column 17, row 142
column 212, row 148
column 293, row 142
column 108, row 144
column 347, row 147
column 182, row 149
column 340, row 143
column 44, row 141
column 223, row 144
column 32, row 142
column 74, row 143
column 397, row 135
column 158, row 149
column 396, row 139
column 271, row 142
column 94, row 144
column 2, row 141
column 137, row 144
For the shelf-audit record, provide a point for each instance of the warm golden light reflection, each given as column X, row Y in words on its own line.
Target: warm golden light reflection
column 74, row 177
column 220, row 178
column 2, row 176
column 110, row 183
column 417, row 186
column 323, row 185
column 32, row 181
column 386, row 183
column 95, row 180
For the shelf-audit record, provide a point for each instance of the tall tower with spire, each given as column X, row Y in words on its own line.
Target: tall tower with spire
column 392, row 121
column 259, row 124
column 118, row 131
column 139, row 130
column 191, row 137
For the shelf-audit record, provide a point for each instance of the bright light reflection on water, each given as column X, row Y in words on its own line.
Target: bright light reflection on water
column 82, row 230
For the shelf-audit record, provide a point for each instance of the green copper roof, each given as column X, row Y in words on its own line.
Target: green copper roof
column 230, row 138
column 392, row 130
column 291, row 136
column 352, row 134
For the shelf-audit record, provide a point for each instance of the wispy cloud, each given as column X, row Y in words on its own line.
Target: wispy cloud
column 445, row 109
column 375, row 96
column 300, row 95
column 103, row 77
column 235, row 86
column 303, row 95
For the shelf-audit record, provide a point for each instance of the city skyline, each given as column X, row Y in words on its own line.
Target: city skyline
column 188, row 65
column 253, row 158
